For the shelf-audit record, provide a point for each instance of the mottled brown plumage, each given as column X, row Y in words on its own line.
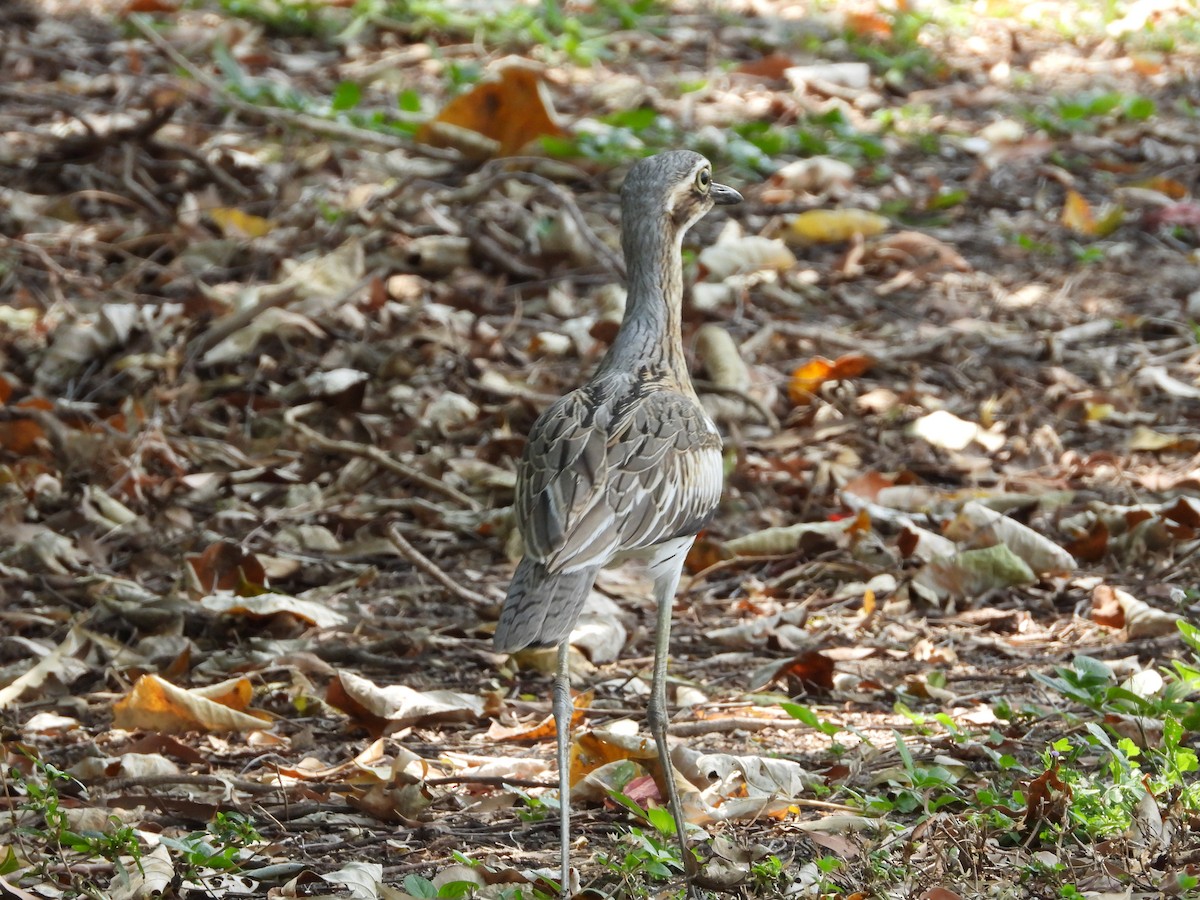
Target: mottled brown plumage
column 627, row 463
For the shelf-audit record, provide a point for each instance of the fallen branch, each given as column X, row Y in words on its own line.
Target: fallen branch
column 429, row 567
column 380, row 457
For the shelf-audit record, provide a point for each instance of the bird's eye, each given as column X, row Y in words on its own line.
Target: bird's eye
column 703, row 179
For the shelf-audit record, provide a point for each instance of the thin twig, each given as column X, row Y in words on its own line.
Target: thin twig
column 426, row 565
column 380, row 458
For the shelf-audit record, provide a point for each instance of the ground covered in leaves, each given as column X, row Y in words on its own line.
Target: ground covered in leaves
column 271, row 336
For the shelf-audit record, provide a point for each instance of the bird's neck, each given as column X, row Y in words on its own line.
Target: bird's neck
column 651, row 334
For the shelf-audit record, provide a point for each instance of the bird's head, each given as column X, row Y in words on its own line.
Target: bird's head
column 676, row 185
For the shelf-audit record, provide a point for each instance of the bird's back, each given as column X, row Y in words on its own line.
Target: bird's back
column 622, row 464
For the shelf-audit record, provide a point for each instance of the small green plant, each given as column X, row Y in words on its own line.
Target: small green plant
column 646, row 854
column 1084, row 112
column 810, row 718
column 305, row 18
column 223, row 846
column 42, row 792
column 534, row 809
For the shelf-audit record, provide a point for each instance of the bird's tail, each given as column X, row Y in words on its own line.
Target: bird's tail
column 541, row 606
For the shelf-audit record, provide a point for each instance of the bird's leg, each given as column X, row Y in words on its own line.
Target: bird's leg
column 563, row 710
column 667, row 568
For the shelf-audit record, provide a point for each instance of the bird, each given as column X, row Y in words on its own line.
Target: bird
column 627, row 464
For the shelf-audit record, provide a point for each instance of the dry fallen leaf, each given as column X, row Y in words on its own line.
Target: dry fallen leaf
column 512, row 110
column 154, row 704
column 807, row 378
column 831, row 226
column 400, row 705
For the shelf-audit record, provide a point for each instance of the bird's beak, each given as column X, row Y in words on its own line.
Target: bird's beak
column 723, row 194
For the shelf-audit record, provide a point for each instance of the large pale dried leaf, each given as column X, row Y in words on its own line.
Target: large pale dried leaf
column 923, row 544
column 946, row 430
column 743, row 254
column 273, row 604
column 755, row 776
column 598, row 631
column 127, row 765
column 1142, row 619
column 154, row 704
column 150, row 875
column 1147, row 439
column 785, row 539
column 814, row 175
column 852, row 75
column 980, row 526
column 717, row 352
column 361, row 879
column 59, row 662
column 85, row 340
column 1157, row 376
column 512, row 110
column 401, row 705
column 273, row 322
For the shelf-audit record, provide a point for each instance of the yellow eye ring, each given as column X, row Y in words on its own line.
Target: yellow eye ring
column 703, row 180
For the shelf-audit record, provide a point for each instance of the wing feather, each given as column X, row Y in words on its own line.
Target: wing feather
column 612, row 468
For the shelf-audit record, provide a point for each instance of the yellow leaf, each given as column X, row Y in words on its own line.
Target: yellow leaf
column 1077, row 214
column 829, row 226
column 1098, row 412
column 1111, row 218
column 235, row 223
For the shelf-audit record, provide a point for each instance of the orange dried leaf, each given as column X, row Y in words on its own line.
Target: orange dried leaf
column 591, row 750
column 154, row 704
column 869, row 24
column 1077, row 214
column 1146, row 66
column 1168, row 186
column 807, row 378
column 511, row 110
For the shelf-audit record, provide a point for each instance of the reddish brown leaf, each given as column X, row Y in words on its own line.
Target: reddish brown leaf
column 770, row 67
column 1106, row 609
column 224, row 566
column 1047, row 799
column 1092, row 546
column 811, row 672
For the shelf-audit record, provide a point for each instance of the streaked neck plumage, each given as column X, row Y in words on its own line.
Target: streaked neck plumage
column 651, row 333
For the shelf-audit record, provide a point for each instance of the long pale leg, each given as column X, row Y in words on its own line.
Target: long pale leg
column 563, row 710
column 666, row 568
